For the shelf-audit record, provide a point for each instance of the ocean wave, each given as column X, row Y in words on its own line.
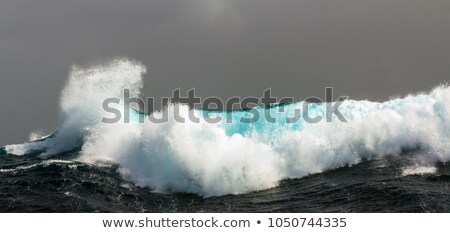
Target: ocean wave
column 212, row 159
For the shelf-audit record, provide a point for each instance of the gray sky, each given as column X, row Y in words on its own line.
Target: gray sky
column 366, row 49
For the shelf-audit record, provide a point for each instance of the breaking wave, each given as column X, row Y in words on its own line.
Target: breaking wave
column 212, row 159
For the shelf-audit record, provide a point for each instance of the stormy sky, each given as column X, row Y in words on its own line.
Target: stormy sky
column 366, row 49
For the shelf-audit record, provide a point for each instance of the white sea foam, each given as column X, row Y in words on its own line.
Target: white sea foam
column 216, row 159
column 418, row 170
column 44, row 163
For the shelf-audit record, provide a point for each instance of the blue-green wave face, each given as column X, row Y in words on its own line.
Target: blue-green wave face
column 269, row 122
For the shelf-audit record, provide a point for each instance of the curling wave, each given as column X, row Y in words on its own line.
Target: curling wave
column 212, row 159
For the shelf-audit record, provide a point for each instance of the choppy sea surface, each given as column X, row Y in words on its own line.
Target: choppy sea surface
column 61, row 184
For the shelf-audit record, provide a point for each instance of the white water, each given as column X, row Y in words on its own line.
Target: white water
column 216, row 159
column 418, row 170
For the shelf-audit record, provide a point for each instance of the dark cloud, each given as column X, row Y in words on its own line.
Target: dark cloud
column 365, row 49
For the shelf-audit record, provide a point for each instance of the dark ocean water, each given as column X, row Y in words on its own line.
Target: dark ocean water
column 61, row 184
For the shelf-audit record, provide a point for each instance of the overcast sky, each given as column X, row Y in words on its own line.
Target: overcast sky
column 373, row 49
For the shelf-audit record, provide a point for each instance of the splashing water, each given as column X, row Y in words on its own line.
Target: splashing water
column 213, row 159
